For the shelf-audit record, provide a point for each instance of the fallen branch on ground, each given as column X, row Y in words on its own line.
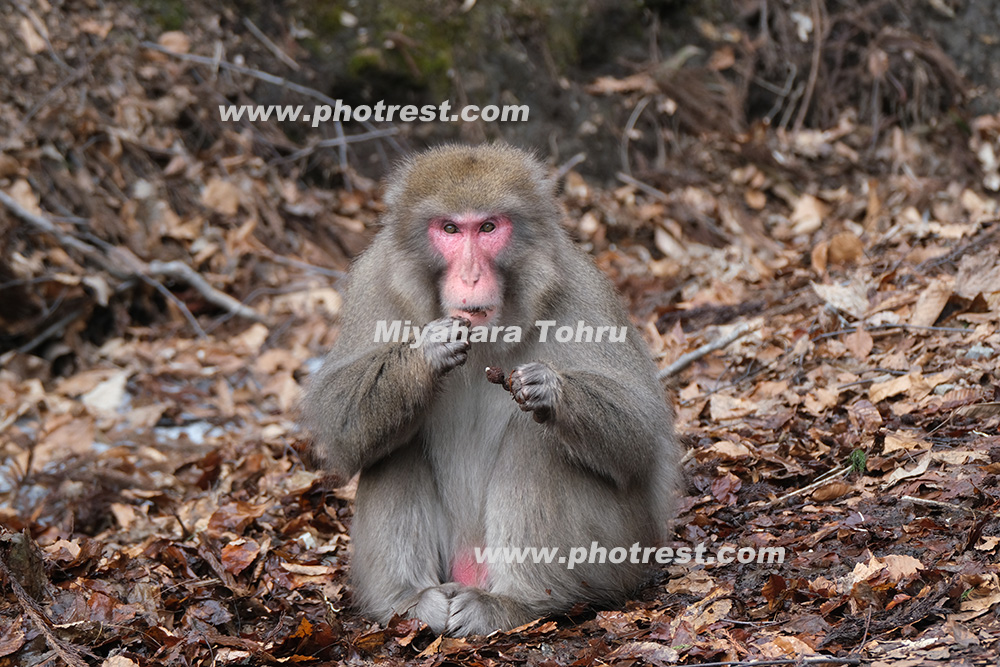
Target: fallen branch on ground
column 69, row 653
column 686, row 360
column 124, row 265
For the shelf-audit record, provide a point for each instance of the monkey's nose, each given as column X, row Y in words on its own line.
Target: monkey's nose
column 470, row 276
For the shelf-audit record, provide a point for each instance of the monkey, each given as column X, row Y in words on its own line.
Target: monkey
column 449, row 467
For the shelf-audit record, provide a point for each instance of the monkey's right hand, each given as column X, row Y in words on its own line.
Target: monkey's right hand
column 443, row 349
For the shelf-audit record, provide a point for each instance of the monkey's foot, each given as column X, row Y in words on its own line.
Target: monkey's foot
column 473, row 611
column 433, row 606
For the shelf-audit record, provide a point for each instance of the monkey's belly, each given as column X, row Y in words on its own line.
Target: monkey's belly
column 463, row 437
column 504, row 484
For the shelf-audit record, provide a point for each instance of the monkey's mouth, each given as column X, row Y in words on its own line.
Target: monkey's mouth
column 478, row 316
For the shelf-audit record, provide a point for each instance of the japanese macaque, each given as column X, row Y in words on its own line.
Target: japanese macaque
column 450, row 466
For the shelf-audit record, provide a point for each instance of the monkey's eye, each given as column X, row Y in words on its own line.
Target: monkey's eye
column 451, row 228
column 487, row 227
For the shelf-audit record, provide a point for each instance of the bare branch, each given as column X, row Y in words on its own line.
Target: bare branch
column 686, row 360
column 124, row 265
column 180, row 271
column 271, row 46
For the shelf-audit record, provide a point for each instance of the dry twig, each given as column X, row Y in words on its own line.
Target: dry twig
column 568, row 165
column 645, row 187
column 948, row 506
column 818, row 35
column 823, row 479
column 271, row 46
column 123, row 265
column 627, row 132
column 816, row 660
column 66, row 651
column 341, row 139
column 43, row 32
column 686, row 360
column 180, row 271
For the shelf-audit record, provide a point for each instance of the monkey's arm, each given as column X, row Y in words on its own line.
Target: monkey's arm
column 362, row 408
column 602, row 424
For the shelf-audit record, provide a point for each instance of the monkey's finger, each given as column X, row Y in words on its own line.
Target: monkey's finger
column 538, row 391
column 532, row 404
column 446, row 356
column 515, row 389
column 540, row 413
column 520, row 380
column 522, row 393
column 534, row 397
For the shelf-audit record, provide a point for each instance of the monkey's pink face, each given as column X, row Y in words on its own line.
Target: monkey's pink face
column 470, row 243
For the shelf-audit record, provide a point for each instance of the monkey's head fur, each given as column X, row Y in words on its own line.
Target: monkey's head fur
column 455, row 178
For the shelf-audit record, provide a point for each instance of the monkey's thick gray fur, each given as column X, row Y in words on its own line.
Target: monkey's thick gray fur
column 448, row 462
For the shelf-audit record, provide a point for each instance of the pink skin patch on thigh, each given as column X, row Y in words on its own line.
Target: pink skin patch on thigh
column 466, row 571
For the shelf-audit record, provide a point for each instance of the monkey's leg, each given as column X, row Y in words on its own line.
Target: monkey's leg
column 540, row 500
column 397, row 540
column 510, row 595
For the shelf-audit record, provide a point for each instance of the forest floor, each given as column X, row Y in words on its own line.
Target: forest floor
column 155, row 508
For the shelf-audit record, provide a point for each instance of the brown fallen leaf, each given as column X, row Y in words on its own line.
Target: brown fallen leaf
column 221, row 196
column 859, row 343
column 846, row 248
column 831, row 491
column 879, row 391
column 897, row 440
column 239, row 554
column 851, row 298
column 931, row 302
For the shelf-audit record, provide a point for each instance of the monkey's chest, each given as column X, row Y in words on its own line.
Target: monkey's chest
column 463, row 436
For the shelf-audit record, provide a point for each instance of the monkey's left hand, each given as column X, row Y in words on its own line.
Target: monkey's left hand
column 536, row 388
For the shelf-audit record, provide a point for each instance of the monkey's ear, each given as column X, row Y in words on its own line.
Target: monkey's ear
column 394, row 182
column 546, row 178
column 552, row 185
